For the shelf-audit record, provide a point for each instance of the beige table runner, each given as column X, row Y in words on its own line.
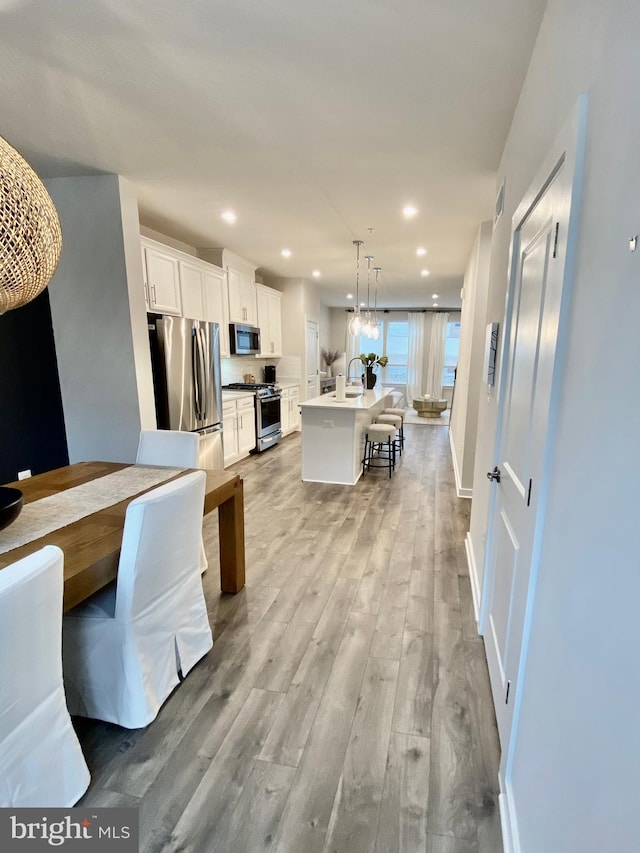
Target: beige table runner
column 51, row 513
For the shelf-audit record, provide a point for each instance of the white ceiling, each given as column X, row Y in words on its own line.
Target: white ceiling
column 313, row 121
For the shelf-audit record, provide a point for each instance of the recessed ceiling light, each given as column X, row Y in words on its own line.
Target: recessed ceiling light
column 434, row 295
column 421, row 251
column 316, row 273
column 286, row 253
column 229, row 216
column 435, row 304
column 349, row 295
column 424, row 272
column 409, row 211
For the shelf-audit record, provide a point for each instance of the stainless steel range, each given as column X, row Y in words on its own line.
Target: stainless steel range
column 268, row 425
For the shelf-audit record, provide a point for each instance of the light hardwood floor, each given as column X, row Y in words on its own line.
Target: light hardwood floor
column 345, row 705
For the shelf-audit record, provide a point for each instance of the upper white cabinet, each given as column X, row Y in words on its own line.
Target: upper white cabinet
column 269, row 321
column 192, row 290
column 216, row 303
column 177, row 283
column 162, row 282
column 241, row 286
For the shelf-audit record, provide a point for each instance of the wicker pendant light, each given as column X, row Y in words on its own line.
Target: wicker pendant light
column 30, row 233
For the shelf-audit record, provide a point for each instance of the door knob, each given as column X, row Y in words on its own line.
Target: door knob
column 494, row 475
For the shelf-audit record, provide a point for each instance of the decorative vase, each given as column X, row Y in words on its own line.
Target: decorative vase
column 371, row 378
column 328, row 369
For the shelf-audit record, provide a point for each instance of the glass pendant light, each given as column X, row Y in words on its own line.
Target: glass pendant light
column 356, row 322
column 367, row 329
column 375, row 325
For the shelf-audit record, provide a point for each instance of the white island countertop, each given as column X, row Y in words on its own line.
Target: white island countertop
column 364, row 401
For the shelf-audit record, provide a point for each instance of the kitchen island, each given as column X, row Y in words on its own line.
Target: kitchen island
column 333, row 435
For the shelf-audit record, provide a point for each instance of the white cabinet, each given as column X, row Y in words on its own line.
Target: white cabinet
column 289, row 410
column 230, row 433
column 241, row 284
column 269, row 321
column 216, row 304
column 239, row 428
column 294, row 402
column 246, row 414
column 242, row 296
column 177, row 283
column 192, row 290
column 162, row 281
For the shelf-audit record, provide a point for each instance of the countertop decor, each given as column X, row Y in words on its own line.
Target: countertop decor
column 11, row 501
column 30, row 233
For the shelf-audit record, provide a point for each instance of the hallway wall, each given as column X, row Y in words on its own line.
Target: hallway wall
column 574, row 759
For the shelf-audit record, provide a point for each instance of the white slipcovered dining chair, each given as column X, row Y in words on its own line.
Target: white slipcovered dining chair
column 124, row 647
column 41, row 762
column 168, row 447
column 173, row 448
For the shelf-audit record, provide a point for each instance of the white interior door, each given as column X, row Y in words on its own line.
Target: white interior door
column 538, row 254
column 312, row 359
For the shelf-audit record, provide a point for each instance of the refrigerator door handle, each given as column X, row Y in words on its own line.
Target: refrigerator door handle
column 203, row 375
column 195, row 371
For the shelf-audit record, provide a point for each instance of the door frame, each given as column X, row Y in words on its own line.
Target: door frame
column 567, row 151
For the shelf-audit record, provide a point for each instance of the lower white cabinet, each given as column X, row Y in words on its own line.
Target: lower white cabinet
column 289, row 410
column 238, row 428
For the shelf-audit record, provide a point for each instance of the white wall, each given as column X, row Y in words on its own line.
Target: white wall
column 574, row 777
column 99, row 319
column 469, row 379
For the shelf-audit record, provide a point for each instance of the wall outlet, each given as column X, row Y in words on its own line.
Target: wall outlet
column 327, row 424
column 23, row 475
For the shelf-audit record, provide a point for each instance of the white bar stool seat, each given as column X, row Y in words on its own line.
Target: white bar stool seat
column 379, row 440
column 396, row 422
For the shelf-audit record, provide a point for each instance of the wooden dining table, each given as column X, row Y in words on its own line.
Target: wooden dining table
column 92, row 544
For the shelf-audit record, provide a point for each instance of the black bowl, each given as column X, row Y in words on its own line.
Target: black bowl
column 10, row 505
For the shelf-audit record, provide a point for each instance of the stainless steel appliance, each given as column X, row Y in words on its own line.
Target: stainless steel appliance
column 185, row 359
column 268, row 426
column 243, row 339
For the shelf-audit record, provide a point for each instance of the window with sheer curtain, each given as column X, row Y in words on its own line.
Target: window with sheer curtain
column 451, row 351
column 394, row 343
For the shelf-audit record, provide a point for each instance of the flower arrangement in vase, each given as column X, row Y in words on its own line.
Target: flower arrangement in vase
column 371, row 361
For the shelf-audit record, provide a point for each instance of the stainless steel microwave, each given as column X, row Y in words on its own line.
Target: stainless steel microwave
column 243, row 339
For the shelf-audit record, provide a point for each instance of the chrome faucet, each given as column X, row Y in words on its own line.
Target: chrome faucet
column 357, row 358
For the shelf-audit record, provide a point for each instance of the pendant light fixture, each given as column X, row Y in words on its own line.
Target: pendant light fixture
column 30, row 234
column 367, row 328
column 375, row 325
column 356, row 322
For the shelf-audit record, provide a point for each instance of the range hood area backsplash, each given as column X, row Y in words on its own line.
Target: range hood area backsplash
column 235, row 368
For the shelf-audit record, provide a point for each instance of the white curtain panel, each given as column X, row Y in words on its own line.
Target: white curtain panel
column 352, row 349
column 435, row 362
column 416, row 353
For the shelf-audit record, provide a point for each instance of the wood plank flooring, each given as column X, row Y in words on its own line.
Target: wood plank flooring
column 345, row 705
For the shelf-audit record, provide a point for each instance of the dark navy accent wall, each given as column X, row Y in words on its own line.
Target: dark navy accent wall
column 32, row 432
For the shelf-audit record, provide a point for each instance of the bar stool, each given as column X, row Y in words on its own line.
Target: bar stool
column 400, row 413
column 376, row 437
column 396, row 422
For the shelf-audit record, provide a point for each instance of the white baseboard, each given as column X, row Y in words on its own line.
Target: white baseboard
column 473, row 575
column 462, row 493
column 508, row 822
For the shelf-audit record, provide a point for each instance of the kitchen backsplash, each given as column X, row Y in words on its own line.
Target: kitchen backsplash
column 235, row 368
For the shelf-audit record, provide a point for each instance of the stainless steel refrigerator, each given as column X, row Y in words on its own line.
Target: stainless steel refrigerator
column 185, row 357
